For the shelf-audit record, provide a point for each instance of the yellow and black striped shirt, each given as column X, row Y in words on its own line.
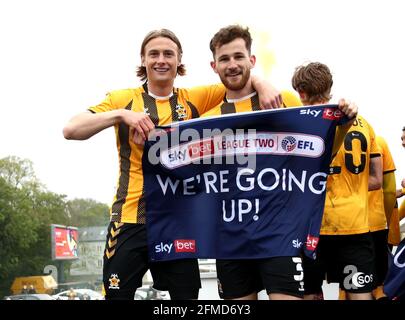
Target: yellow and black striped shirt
column 249, row 103
column 129, row 204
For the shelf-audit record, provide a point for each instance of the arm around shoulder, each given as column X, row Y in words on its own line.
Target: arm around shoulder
column 270, row 97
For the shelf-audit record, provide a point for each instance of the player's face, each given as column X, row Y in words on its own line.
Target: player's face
column 233, row 64
column 161, row 60
column 403, row 138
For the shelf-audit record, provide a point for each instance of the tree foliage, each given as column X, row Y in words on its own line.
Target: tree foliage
column 27, row 211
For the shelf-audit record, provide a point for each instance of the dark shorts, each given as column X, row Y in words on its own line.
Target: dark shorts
column 380, row 239
column 345, row 259
column 239, row 278
column 126, row 262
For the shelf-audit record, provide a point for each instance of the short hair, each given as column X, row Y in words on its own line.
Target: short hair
column 161, row 33
column 315, row 80
column 228, row 34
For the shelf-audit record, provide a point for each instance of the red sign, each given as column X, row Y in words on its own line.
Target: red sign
column 64, row 242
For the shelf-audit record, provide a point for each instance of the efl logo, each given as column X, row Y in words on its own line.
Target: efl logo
column 288, row 143
column 183, row 245
column 201, row 149
column 332, row 114
column 312, row 243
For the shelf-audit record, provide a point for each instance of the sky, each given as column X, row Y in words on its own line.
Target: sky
column 57, row 58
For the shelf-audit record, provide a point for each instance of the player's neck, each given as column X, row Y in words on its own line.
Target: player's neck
column 239, row 94
column 234, row 100
column 314, row 103
column 161, row 89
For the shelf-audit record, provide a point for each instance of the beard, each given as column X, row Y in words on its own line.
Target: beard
column 236, row 85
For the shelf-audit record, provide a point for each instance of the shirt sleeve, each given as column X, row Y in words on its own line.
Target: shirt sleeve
column 205, row 98
column 114, row 100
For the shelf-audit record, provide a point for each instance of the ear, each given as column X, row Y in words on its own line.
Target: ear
column 142, row 61
column 252, row 59
column 303, row 96
column 214, row 66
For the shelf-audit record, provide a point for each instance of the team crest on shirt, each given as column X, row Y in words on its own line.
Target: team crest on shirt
column 181, row 112
column 114, row 281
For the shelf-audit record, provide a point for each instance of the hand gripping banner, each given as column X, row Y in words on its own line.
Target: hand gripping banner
column 240, row 186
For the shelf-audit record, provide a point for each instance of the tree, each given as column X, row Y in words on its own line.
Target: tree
column 18, row 223
column 18, row 173
column 88, row 212
column 27, row 211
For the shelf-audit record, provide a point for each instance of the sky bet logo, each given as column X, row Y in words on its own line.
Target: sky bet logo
column 180, row 245
column 311, row 243
column 184, row 245
column 178, row 155
column 332, row 114
column 310, row 112
column 163, row 248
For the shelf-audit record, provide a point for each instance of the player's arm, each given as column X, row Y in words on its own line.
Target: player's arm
column 269, row 97
column 400, row 192
column 389, row 191
column 375, row 174
column 87, row 124
column 108, row 113
column 401, row 211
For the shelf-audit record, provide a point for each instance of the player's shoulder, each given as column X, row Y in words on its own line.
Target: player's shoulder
column 381, row 141
column 363, row 120
column 204, row 89
column 124, row 96
column 126, row 92
column 362, row 124
column 290, row 99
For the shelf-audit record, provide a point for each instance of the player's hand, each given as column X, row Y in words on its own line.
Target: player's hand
column 349, row 108
column 139, row 122
column 270, row 99
column 137, row 138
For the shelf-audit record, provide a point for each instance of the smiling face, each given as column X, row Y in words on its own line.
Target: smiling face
column 161, row 60
column 233, row 63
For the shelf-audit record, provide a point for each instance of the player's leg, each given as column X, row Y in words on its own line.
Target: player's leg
column 238, row 279
column 125, row 260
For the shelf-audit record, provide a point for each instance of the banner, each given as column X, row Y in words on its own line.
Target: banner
column 240, row 186
column 394, row 284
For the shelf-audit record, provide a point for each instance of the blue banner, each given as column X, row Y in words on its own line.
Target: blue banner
column 240, row 186
column 394, row 284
